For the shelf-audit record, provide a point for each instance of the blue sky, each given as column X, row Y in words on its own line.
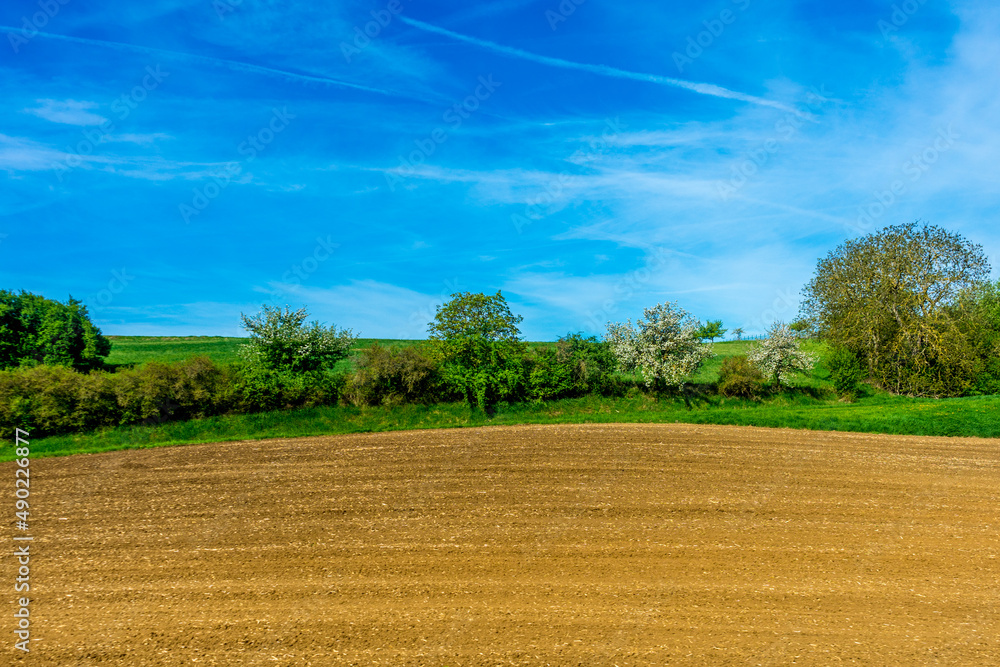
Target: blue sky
column 175, row 163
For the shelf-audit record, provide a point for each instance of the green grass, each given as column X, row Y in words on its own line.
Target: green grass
column 138, row 350
column 976, row 416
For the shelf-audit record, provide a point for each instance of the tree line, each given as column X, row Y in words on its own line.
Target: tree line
column 908, row 309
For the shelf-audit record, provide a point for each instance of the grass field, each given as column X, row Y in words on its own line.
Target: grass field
column 537, row 545
column 137, row 350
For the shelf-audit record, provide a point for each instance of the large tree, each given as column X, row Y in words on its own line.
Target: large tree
column 892, row 298
column 477, row 340
column 35, row 330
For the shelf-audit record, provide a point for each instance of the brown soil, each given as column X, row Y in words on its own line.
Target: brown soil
column 558, row 545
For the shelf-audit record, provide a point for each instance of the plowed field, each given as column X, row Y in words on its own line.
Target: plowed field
column 559, row 545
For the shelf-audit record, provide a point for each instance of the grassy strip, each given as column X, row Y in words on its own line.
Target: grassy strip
column 976, row 416
column 137, row 350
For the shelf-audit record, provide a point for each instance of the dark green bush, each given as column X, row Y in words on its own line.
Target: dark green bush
column 846, row 372
column 738, row 378
column 393, row 376
column 266, row 389
column 576, row 366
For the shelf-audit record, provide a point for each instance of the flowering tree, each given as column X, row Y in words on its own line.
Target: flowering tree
column 281, row 341
column 778, row 355
column 664, row 347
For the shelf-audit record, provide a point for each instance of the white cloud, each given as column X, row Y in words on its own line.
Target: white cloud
column 67, row 112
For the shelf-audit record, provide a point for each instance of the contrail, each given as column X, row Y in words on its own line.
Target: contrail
column 604, row 70
column 209, row 60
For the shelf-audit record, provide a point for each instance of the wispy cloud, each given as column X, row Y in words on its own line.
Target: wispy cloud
column 604, row 70
column 233, row 65
column 67, row 112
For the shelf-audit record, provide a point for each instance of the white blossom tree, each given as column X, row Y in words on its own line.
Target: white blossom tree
column 663, row 347
column 778, row 355
column 280, row 340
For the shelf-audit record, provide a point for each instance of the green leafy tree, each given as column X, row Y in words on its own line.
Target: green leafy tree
column 711, row 330
column 978, row 314
column 800, row 326
column 477, row 340
column 893, row 298
column 738, row 333
column 35, row 330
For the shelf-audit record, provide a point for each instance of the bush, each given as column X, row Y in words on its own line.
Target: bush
column 54, row 399
column 846, row 372
column 738, row 378
column 393, row 376
column 576, row 366
column 281, row 341
column 258, row 389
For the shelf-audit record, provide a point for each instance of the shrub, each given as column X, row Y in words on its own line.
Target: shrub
column 54, row 399
column 738, row 378
column 281, row 341
column 575, row 366
column 259, row 389
column 40, row 399
column 846, row 372
column 392, row 376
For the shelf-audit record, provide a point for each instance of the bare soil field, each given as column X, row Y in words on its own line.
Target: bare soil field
column 536, row 545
